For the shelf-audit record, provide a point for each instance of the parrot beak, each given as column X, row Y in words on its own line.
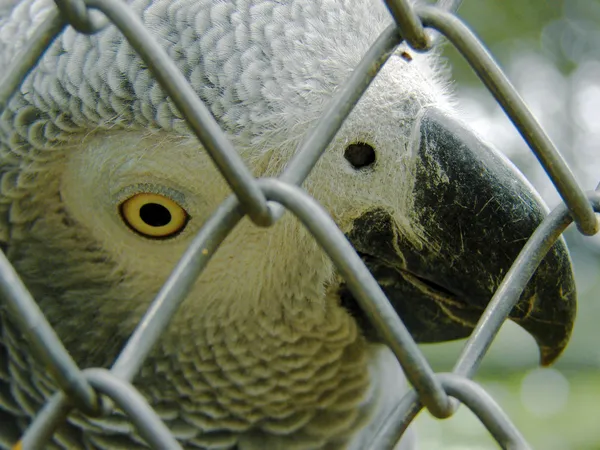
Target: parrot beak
column 477, row 212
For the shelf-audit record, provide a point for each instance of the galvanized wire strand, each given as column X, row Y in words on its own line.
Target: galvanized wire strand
column 251, row 197
column 447, row 5
column 156, row 319
column 391, row 429
column 409, row 23
column 28, row 57
column 80, row 17
column 494, row 316
column 177, row 287
column 486, row 409
column 45, row 423
column 39, row 333
column 340, row 106
column 197, row 115
column 503, row 91
column 343, row 102
column 467, row 392
column 513, row 284
column 150, row 427
column 365, row 290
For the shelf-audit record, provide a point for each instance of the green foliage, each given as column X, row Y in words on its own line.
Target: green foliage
column 564, row 30
column 572, row 427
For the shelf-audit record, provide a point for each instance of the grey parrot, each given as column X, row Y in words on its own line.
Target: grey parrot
column 103, row 185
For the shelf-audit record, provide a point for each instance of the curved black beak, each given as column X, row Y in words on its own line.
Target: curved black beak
column 475, row 211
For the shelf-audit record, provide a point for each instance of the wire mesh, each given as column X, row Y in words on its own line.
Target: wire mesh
column 264, row 201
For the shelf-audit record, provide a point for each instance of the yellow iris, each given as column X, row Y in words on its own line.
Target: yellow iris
column 153, row 215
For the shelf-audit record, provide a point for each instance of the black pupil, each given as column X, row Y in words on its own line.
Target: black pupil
column 155, row 215
column 360, row 155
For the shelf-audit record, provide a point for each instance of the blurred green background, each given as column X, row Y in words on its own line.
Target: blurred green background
column 550, row 50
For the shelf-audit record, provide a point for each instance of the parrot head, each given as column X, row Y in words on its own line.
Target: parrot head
column 103, row 186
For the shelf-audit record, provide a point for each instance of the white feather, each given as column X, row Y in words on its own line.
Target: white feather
column 261, row 354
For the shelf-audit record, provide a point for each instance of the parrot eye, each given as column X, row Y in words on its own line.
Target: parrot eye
column 360, row 155
column 153, row 216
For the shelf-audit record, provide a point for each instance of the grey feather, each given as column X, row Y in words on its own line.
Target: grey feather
column 270, row 362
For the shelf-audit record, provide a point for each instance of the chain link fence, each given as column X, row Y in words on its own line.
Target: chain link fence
column 95, row 391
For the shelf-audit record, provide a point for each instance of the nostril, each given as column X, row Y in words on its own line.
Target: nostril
column 360, row 155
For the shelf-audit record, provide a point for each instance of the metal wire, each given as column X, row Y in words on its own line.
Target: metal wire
column 409, row 24
column 513, row 284
column 514, row 106
column 505, row 297
column 84, row 389
column 470, row 394
column 44, row 340
column 30, row 55
column 366, row 291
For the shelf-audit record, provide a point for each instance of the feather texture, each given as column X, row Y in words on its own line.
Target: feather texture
column 261, row 355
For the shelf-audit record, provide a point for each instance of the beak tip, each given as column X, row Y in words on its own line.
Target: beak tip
column 552, row 334
column 549, row 355
column 553, row 322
